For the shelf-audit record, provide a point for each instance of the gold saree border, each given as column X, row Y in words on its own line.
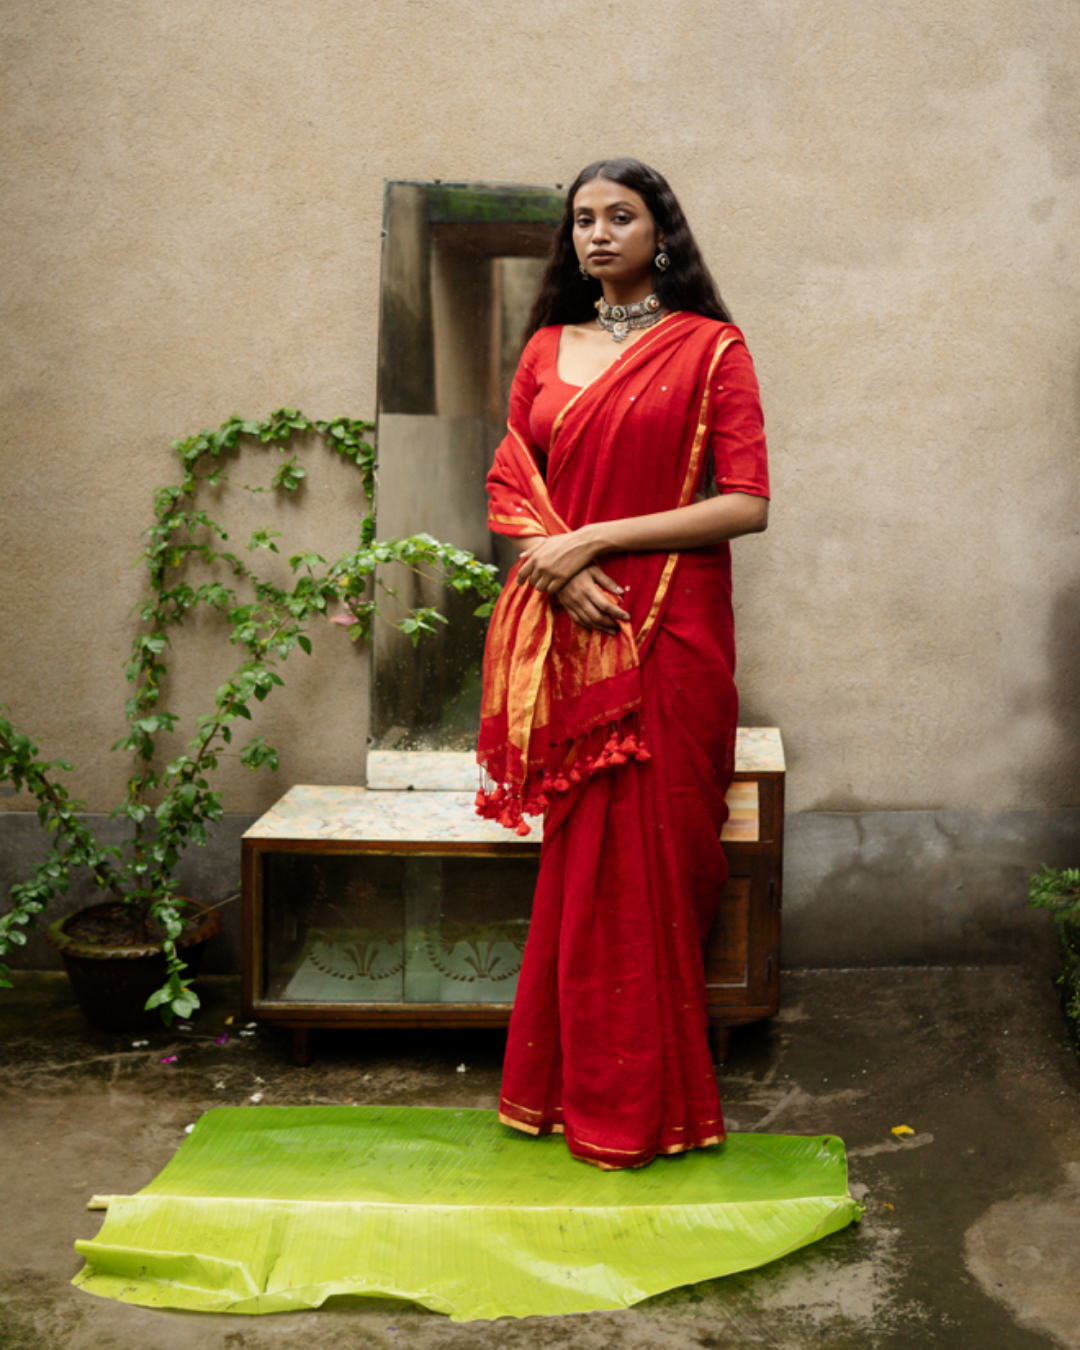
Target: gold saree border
column 687, row 489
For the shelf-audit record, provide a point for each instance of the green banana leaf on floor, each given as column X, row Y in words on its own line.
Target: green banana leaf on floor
column 270, row 1209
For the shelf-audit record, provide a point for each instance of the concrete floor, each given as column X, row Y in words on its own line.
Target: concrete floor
column 971, row 1236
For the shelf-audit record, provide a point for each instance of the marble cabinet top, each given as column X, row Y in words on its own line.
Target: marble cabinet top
column 354, row 814
column 757, row 750
column 418, row 797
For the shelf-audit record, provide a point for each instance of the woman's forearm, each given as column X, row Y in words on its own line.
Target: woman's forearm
column 523, row 541
column 694, row 526
column 548, row 563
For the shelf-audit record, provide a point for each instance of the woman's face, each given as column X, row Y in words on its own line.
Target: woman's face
column 615, row 236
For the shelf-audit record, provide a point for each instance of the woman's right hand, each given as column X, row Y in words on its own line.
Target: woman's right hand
column 590, row 598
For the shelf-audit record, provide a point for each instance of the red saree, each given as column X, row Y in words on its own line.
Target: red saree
column 627, row 744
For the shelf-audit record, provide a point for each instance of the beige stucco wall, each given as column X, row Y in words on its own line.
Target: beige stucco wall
column 888, row 193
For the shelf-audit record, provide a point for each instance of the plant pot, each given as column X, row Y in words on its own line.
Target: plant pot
column 111, row 984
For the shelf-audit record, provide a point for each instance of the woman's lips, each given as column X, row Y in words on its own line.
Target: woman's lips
column 601, row 257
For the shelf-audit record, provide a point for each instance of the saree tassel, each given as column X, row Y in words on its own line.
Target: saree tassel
column 612, row 755
column 562, row 783
column 522, row 828
column 489, row 805
column 640, row 753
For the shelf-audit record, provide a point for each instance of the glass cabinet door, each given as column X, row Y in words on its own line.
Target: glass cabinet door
column 467, row 920
column 375, row 928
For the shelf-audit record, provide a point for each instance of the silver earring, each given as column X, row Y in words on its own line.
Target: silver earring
column 661, row 262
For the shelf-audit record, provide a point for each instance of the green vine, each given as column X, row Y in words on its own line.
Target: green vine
column 168, row 806
column 1059, row 892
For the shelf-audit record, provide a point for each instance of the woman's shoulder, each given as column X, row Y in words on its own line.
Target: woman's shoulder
column 543, row 341
column 719, row 328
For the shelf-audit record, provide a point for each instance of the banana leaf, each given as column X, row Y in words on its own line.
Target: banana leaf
column 266, row 1209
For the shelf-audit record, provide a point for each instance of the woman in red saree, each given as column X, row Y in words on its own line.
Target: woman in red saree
column 609, row 700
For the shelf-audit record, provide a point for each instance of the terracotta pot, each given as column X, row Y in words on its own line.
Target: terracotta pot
column 111, row 984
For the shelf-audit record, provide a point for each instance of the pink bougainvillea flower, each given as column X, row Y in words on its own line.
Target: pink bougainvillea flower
column 168, row 1059
column 220, row 1040
column 348, row 618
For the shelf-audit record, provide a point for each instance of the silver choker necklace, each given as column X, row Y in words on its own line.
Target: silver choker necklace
column 619, row 320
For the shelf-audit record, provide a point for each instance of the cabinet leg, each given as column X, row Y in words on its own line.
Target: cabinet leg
column 301, row 1047
column 719, row 1043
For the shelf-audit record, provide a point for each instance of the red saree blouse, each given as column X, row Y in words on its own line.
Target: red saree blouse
column 625, row 742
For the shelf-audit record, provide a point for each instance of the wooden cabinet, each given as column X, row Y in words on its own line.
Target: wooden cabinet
column 742, row 957
column 395, row 904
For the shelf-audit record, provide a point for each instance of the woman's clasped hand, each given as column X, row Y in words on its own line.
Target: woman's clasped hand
column 549, row 561
column 561, row 565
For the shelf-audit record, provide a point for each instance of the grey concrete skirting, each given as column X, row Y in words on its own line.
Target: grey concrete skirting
column 877, row 888
column 893, row 887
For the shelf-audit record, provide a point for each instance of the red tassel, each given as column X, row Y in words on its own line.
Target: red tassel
column 562, row 783
column 641, row 754
column 523, row 829
column 629, row 744
column 616, row 757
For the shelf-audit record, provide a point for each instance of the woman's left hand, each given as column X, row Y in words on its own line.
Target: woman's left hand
column 550, row 562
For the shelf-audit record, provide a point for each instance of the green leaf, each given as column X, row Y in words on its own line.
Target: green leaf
column 186, row 1004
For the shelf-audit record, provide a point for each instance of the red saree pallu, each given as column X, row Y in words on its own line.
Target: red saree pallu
column 626, row 743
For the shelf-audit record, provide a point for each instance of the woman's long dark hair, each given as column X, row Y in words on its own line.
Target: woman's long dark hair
column 565, row 296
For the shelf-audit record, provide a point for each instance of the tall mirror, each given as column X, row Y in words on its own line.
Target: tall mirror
column 460, row 267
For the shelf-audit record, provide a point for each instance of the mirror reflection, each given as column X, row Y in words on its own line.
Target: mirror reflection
column 460, row 267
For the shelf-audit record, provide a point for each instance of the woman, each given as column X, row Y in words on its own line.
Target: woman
column 634, row 453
